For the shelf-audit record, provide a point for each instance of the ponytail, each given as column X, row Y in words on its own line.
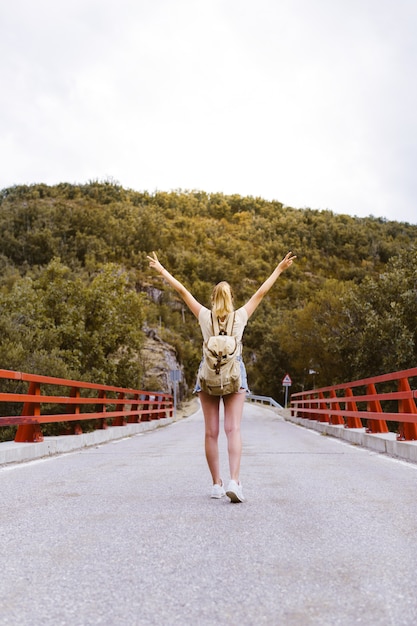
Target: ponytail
column 222, row 299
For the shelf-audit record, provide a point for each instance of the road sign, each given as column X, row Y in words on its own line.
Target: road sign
column 286, row 382
column 175, row 375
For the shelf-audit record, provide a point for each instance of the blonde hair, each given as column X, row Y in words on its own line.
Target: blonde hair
column 222, row 299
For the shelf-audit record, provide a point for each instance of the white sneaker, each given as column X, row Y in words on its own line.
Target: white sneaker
column 218, row 491
column 235, row 492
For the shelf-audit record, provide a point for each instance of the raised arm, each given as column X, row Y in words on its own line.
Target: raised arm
column 190, row 301
column 257, row 297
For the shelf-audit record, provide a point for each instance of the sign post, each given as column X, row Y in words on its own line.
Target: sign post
column 175, row 376
column 286, row 382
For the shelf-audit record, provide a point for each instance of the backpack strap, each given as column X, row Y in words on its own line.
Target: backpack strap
column 230, row 322
column 215, row 324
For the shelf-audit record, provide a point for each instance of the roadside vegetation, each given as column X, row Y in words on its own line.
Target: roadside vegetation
column 76, row 293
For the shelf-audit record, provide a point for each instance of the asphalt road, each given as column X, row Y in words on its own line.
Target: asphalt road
column 126, row 534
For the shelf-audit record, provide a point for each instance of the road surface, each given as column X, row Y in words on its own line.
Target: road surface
column 126, row 533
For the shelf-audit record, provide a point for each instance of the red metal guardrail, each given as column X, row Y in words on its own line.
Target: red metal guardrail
column 350, row 403
column 78, row 401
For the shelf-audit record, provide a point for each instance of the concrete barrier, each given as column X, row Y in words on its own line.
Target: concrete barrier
column 12, row 452
column 383, row 443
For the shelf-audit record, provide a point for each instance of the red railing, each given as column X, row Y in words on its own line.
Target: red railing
column 339, row 404
column 79, row 401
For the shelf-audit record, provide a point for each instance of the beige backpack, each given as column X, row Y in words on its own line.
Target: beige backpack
column 219, row 373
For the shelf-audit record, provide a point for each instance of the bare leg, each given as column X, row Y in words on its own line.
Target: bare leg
column 233, row 409
column 211, row 412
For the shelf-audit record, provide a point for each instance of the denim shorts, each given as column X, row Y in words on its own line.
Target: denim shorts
column 243, row 377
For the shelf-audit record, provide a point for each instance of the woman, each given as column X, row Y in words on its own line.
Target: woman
column 222, row 307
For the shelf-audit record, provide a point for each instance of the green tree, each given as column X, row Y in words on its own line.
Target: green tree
column 383, row 332
column 91, row 329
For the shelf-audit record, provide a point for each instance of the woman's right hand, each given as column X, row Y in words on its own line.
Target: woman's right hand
column 154, row 263
column 286, row 262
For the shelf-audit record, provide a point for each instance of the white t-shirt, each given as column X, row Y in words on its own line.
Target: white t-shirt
column 240, row 321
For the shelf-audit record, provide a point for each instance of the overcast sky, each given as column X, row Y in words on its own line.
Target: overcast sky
column 309, row 102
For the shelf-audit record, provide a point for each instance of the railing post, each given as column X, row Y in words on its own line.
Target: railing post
column 302, row 407
column 75, row 427
column 408, row 431
column 314, row 405
column 350, row 405
column 376, row 426
column 154, row 406
column 30, row 432
column 335, row 419
column 75, row 393
column 308, row 405
column 322, row 417
column 134, row 419
column 102, row 409
column 120, row 420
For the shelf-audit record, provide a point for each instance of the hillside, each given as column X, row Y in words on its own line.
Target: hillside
column 76, row 292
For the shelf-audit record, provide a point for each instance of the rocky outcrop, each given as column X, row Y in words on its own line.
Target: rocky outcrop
column 159, row 359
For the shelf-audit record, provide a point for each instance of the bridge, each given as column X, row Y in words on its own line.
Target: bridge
column 122, row 531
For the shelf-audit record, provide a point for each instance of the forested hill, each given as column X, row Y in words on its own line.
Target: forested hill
column 76, row 292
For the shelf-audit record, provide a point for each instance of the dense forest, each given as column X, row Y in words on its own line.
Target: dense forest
column 77, row 295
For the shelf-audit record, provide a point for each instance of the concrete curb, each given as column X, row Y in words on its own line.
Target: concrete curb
column 384, row 443
column 11, row 452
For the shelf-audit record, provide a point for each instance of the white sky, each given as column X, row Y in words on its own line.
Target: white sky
column 309, row 102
